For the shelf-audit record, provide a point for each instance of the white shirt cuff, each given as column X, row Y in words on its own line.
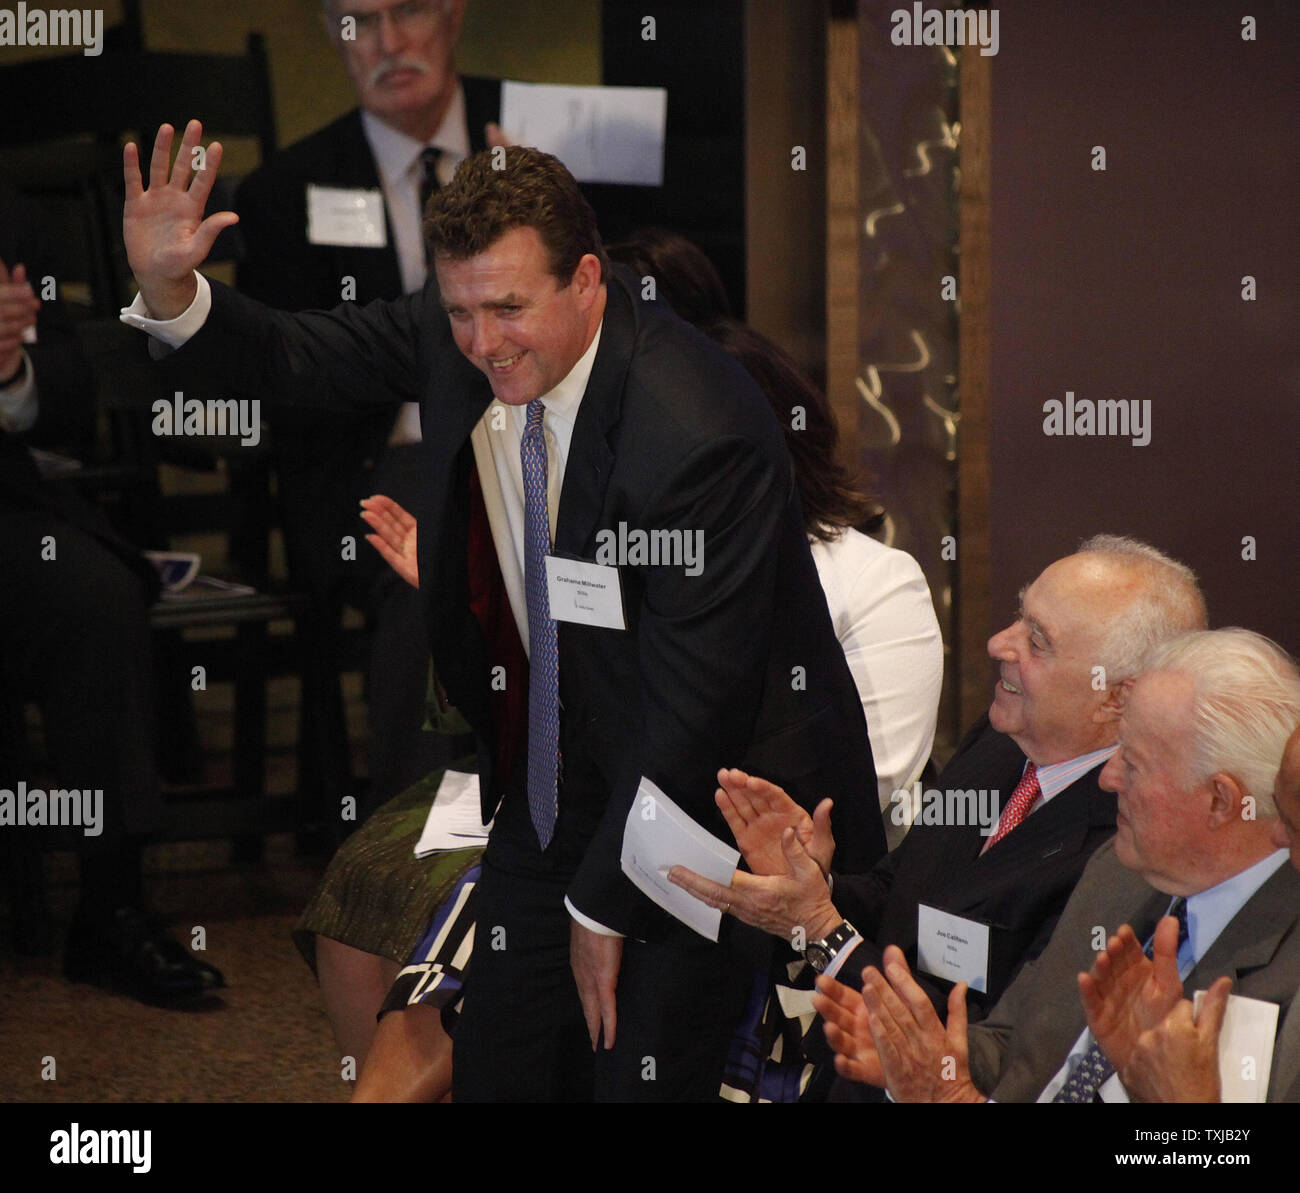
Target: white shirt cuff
column 837, row 962
column 587, row 922
column 172, row 332
column 18, row 402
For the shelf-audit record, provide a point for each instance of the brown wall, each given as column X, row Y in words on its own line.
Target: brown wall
column 1127, row 284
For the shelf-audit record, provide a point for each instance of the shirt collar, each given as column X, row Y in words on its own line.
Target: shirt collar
column 1054, row 779
column 1209, row 912
column 396, row 154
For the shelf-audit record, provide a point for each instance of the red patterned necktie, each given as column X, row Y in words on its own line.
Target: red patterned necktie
column 1022, row 799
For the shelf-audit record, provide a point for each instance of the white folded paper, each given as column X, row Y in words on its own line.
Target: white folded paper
column 455, row 818
column 1245, row 1047
column 602, row 134
column 659, row 835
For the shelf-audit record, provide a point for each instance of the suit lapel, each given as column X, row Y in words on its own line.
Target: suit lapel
column 1254, row 934
column 591, row 459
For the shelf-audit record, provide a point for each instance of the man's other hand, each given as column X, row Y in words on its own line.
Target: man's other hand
column 1178, row 1059
column 794, row 905
column 163, row 227
column 394, row 536
column 595, row 960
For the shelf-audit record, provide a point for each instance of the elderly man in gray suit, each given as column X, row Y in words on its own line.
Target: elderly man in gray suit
column 1178, row 1059
column 1197, row 843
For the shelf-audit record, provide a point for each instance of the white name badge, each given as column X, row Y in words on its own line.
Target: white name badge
column 951, row 947
column 588, row 593
column 349, row 217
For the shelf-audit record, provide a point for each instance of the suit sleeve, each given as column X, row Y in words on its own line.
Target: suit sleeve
column 702, row 679
column 348, row 358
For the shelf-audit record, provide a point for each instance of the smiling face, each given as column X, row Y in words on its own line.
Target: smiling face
column 1045, row 698
column 401, row 58
column 515, row 321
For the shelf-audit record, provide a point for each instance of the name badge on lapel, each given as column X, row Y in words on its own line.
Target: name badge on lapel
column 952, row 947
column 349, row 217
column 586, row 593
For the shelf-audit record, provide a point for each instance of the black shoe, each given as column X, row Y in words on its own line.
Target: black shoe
column 133, row 956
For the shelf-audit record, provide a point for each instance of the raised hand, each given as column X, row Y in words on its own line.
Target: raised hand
column 394, row 536
column 163, row 227
column 1127, row 994
column 18, row 307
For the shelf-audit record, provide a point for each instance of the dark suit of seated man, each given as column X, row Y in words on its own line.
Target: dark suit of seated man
column 1050, row 728
column 75, row 638
column 1195, row 870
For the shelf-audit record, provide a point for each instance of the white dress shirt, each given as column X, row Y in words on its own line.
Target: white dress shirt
column 397, row 158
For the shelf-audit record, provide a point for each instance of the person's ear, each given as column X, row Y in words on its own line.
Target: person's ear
column 1229, row 800
column 586, row 281
column 1111, row 707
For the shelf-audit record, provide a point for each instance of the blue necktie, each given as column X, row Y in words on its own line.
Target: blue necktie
column 543, row 660
column 1093, row 1069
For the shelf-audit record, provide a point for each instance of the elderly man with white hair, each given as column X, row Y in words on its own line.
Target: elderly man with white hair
column 1194, row 870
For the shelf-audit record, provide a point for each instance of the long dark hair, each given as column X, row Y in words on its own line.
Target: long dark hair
column 830, row 498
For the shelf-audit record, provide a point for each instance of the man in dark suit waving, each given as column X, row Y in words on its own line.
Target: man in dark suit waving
column 1064, row 665
column 613, row 423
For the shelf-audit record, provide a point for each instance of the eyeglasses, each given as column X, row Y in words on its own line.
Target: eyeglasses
column 412, row 17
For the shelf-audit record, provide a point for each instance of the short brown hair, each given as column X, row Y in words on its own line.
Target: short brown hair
column 497, row 190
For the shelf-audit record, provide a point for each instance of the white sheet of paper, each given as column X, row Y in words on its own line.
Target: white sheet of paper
column 952, row 947
column 659, row 835
column 1245, row 1045
column 588, row 593
column 351, row 217
column 602, row 134
column 455, row 818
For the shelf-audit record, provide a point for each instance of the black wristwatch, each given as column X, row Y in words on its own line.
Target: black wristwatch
column 821, row 953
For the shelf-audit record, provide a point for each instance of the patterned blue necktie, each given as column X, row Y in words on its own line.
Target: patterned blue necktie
column 543, row 659
column 1093, row 1069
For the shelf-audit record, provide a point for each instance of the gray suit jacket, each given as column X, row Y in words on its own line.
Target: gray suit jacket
column 1018, row 1049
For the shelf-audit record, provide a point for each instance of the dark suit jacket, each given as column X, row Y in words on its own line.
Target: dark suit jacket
column 1024, row 1041
column 1019, row 886
column 738, row 665
column 321, row 455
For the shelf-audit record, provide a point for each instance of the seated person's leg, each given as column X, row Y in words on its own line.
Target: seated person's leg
column 77, row 641
column 353, row 984
column 409, row 1060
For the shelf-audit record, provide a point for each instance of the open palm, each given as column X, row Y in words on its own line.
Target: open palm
column 163, row 227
